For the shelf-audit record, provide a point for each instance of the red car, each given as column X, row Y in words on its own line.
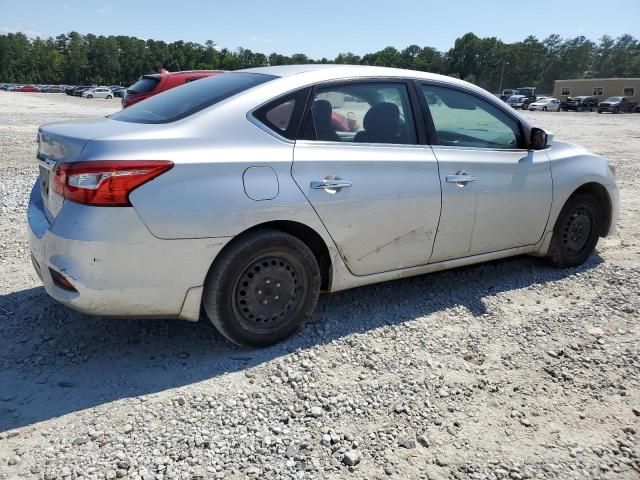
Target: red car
column 27, row 88
column 150, row 85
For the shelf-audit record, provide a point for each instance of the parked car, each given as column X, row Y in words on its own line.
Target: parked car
column 580, row 103
column 150, row 85
column 99, row 92
column 119, row 91
column 52, row 89
column 529, row 93
column 546, row 104
column 518, row 102
column 506, row 93
column 27, row 88
column 236, row 194
column 78, row 91
column 618, row 105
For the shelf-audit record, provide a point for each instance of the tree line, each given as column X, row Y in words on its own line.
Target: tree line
column 89, row 59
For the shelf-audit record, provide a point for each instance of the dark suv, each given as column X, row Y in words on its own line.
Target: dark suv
column 617, row 105
column 579, row 104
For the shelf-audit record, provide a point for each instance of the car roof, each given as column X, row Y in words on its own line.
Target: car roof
column 191, row 72
column 338, row 70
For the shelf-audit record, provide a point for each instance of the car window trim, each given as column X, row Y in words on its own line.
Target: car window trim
column 346, row 81
column 296, row 117
column 431, row 125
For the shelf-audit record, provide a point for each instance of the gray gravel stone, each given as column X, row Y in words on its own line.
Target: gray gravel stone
column 352, row 458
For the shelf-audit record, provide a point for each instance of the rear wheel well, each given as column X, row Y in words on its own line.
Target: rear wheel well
column 308, row 236
column 600, row 193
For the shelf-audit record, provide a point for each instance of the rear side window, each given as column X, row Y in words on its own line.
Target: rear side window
column 369, row 112
column 283, row 114
column 144, row 85
column 185, row 100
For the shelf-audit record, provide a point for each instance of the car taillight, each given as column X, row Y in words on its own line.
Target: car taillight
column 105, row 182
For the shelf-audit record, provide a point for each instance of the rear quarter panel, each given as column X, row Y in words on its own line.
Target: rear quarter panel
column 203, row 194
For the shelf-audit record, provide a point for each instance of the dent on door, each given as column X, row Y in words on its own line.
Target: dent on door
column 380, row 204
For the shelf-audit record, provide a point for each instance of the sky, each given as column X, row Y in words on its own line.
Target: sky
column 323, row 28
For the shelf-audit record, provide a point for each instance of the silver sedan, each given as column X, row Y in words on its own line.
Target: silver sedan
column 251, row 192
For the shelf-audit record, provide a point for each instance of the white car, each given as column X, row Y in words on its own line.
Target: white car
column 546, row 104
column 99, row 92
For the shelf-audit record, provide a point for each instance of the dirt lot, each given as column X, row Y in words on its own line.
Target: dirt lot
column 507, row 370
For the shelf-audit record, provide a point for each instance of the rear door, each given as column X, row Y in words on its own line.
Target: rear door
column 496, row 194
column 362, row 167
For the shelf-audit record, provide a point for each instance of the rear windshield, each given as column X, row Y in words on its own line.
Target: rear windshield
column 185, row 100
column 144, row 85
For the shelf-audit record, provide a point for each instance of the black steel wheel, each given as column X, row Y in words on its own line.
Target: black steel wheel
column 262, row 289
column 576, row 232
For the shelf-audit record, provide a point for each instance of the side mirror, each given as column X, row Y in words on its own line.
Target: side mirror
column 540, row 139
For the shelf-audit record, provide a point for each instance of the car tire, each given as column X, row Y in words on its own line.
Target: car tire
column 616, row 110
column 262, row 288
column 89, row 96
column 544, row 109
column 109, row 97
column 576, row 231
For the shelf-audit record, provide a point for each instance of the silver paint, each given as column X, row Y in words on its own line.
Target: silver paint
column 383, row 211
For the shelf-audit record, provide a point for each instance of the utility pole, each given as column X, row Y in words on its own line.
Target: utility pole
column 502, row 75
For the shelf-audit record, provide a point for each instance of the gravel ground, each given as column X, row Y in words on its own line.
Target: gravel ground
column 506, row 370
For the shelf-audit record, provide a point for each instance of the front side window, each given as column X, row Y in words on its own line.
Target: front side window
column 464, row 120
column 370, row 112
column 598, row 91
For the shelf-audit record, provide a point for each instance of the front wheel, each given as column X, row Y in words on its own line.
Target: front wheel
column 262, row 289
column 89, row 96
column 544, row 109
column 576, row 231
column 109, row 97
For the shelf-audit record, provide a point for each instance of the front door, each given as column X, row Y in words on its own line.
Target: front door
column 375, row 189
column 495, row 193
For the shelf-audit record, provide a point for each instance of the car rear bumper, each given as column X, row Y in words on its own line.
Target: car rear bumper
column 116, row 266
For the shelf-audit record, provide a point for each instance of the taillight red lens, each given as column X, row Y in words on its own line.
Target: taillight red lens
column 105, row 182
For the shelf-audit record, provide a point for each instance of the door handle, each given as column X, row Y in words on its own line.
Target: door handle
column 461, row 179
column 327, row 184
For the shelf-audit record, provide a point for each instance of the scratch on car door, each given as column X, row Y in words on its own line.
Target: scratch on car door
column 395, row 240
